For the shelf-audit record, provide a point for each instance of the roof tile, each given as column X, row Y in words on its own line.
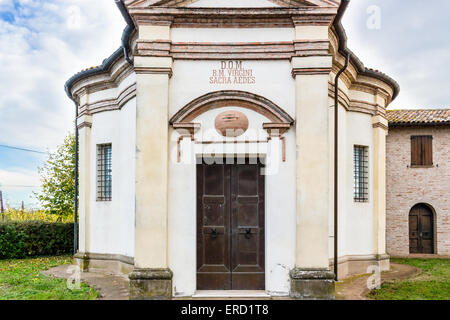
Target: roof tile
column 419, row 117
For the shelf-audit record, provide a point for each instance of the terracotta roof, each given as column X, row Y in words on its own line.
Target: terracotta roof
column 428, row 117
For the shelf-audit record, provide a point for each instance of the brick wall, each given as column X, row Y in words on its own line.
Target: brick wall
column 408, row 186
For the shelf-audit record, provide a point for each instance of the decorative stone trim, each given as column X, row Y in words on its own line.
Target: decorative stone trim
column 185, row 130
column 116, row 263
column 84, row 121
column 311, row 48
column 153, row 70
column 281, row 121
column 315, row 20
column 276, row 129
column 110, row 104
column 379, row 121
column 283, row 3
column 352, row 265
column 107, row 80
column 312, row 284
column 232, row 17
column 380, row 125
column 224, row 98
column 231, row 50
column 151, row 284
column 310, row 71
column 84, row 124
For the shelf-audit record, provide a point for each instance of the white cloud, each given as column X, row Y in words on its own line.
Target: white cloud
column 411, row 46
column 18, row 177
column 46, row 44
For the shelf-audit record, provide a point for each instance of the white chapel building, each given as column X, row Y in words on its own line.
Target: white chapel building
column 206, row 150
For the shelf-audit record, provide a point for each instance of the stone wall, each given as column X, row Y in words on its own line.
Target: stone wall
column 408, row 186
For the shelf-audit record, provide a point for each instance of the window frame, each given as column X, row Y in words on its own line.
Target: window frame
column 104, row 172
column 360, row 174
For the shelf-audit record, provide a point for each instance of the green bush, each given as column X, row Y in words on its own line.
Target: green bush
column 23, row 239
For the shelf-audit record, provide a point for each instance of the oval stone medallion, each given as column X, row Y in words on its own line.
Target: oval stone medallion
column 231, row 123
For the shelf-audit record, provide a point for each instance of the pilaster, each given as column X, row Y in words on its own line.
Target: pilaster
column 311, row 278
column 151, row 278
column 84, row 124
column 380, row 131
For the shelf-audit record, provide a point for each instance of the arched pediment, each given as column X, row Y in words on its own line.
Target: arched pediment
column 281, row 3
column 219, row 99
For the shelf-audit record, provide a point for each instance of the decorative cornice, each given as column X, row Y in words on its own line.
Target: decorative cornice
column 232, row 50
column 310, row 71
column 282, row 3
column 110, row 104
column 276, row 129
column 153, row 70
column 84, row 121
column 187, row 129
column 380, row 125
column 224, row 98
column 193, row 17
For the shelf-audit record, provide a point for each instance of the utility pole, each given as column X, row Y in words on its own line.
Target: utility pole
column 1, row 202
column 23, row 207
column 1, row 206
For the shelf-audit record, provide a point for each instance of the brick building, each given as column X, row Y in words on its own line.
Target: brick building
column 418, row 182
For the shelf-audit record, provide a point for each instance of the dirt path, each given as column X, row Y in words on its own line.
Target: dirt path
column 355, row 288
column 115, row 287
column 108, row 285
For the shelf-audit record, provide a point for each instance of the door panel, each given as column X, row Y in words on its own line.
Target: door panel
column 230, row 227
column 213, row 225
column 421, row 234
column 247, row 196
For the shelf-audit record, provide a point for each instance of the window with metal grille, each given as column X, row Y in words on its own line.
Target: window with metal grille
column 421, row 150
column 361, row 173
column 104, row 172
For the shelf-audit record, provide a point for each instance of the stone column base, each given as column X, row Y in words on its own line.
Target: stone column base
column 151, row 284
column 312, row 284
column 82, row 260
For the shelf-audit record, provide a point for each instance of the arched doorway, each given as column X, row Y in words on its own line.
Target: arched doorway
column 421, row 230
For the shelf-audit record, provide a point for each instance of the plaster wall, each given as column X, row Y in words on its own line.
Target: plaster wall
column 112, row 222
column 279, row 210
column 191, row 79
column 355, row 219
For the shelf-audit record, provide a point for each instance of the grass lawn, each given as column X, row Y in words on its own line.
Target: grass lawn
column 22, row 280
column 432, row 284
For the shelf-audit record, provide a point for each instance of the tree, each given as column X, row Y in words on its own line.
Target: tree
column 58, row 180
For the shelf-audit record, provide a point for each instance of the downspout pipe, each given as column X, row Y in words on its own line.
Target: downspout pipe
column 75, row 200
column 341, row 11
column 336, row 164
column 128, row 30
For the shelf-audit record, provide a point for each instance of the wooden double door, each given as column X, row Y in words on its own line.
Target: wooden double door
column 230, row 226
column 421, row 234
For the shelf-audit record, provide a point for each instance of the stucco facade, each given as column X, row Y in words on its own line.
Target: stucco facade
column 156, row 101
column 408, row 186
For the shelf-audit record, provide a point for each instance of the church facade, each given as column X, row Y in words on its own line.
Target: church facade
column 206, row 148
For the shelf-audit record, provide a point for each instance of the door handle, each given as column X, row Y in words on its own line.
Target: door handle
column 248, row 233
column 214, row 233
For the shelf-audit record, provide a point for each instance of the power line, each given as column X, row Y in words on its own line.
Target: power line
column 22, row 149
column 16, row 186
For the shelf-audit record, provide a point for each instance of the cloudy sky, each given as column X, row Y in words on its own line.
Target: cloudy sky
column 44, row 42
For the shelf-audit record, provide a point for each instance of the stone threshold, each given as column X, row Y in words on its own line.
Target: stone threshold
column 231, row 294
